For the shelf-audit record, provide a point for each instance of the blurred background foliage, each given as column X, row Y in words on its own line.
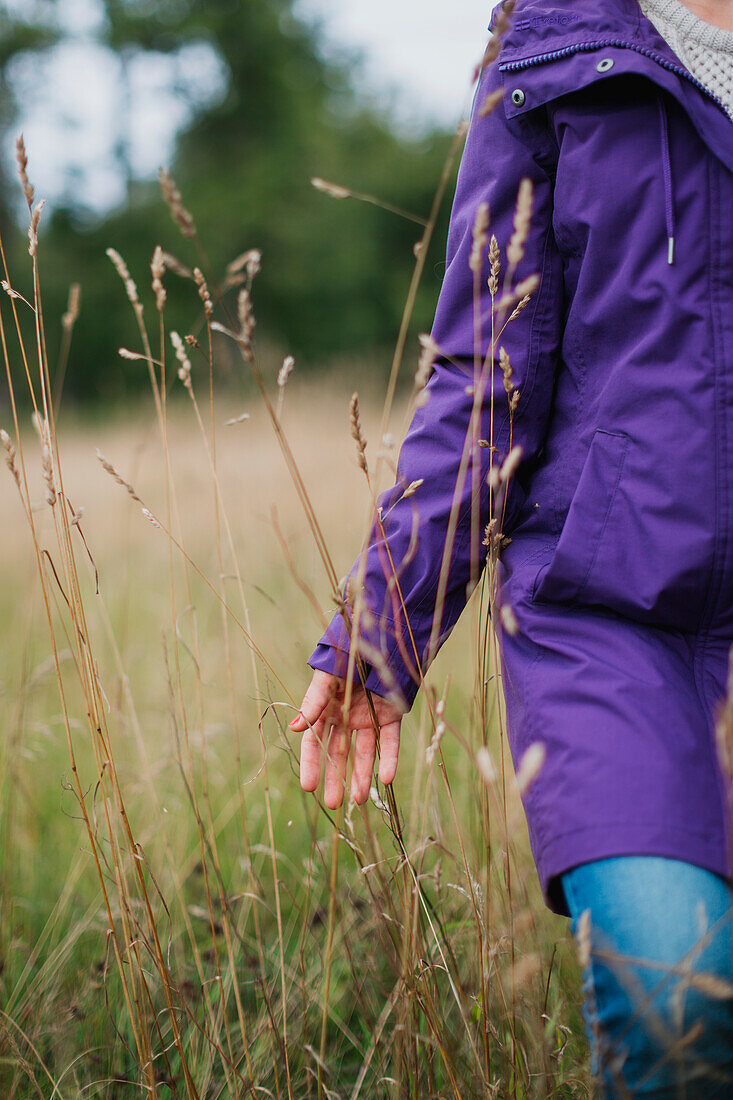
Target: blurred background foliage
column 335, row 273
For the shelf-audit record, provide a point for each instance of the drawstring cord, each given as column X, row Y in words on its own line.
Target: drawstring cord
column 667, row 172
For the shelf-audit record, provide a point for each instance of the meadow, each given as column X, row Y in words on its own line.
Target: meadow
column 177, row 917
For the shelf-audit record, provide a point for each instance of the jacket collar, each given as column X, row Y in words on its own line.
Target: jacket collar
column 544, row 34
column 542, row 25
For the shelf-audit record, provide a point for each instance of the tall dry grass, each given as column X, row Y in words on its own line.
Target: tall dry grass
column 178, row 918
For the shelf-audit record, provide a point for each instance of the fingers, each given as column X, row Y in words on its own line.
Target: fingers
column 310, row 755
column 389, row 748
column 320, row 691
column 365, row 747
column 339, row 743
column 321, row 723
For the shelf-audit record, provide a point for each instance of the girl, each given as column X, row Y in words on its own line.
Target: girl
column 616, row 117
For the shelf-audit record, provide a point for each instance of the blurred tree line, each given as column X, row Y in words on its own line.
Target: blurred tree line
column 335, row 273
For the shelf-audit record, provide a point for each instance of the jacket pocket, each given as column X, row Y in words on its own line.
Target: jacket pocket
column 578, row 565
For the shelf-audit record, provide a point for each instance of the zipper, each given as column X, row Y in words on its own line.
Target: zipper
column 603, row 43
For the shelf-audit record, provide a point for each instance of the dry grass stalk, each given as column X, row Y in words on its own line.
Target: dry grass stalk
column 250, row 262
column 172, row 263
column 724, row 726
column 501, row 26
column 490, row 103
column 413, row 1018
column 129, row 283
column 174, row 201
column 11, row 293
column 113, row 473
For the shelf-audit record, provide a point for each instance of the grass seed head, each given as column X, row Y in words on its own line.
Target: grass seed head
column 412, row 488
column 506, row 369
column 522, row 219
column 480, row 237
column 71, row 316
column 203, row 292
column 248, row 262
column 428, row 355
column 21, row 157
column 492, row 101
column 10, row 455
column 109, row 469
column 184, row 367
column 246, row 317
column 509, row 619
column 157, row 270
column 47, row 469
column 33, row 227
column 12, row 293
column 511, row 462
column 495, row 263
column 434, row 746
column 129, row 283
column 174, row 201
column 332, row 189
column 356, row 432
column 285, row 371
column 486, row 766
column 530, row 766
column 172, row 263
column 583, row 938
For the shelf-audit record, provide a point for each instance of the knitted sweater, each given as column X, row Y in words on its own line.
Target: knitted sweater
column 705, row 50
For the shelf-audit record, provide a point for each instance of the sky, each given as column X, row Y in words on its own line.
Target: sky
column 417, row 56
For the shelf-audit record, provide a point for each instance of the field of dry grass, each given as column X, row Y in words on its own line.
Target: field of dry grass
column 182, row 706
column 177, row 918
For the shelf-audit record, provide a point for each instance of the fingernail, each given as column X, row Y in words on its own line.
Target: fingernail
column 295, row 720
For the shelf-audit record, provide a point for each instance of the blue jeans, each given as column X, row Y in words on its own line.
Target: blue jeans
column 657, row 953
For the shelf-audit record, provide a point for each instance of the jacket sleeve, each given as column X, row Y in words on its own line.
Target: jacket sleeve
column 498, row 154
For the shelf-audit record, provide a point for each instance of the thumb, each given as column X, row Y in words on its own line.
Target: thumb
column 319, row 694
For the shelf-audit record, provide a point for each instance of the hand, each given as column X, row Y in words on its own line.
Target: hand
column 321, row 711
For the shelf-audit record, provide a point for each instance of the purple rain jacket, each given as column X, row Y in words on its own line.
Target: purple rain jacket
column 620, row 568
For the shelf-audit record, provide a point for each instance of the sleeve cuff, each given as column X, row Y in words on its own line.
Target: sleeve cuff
column 328, row 658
